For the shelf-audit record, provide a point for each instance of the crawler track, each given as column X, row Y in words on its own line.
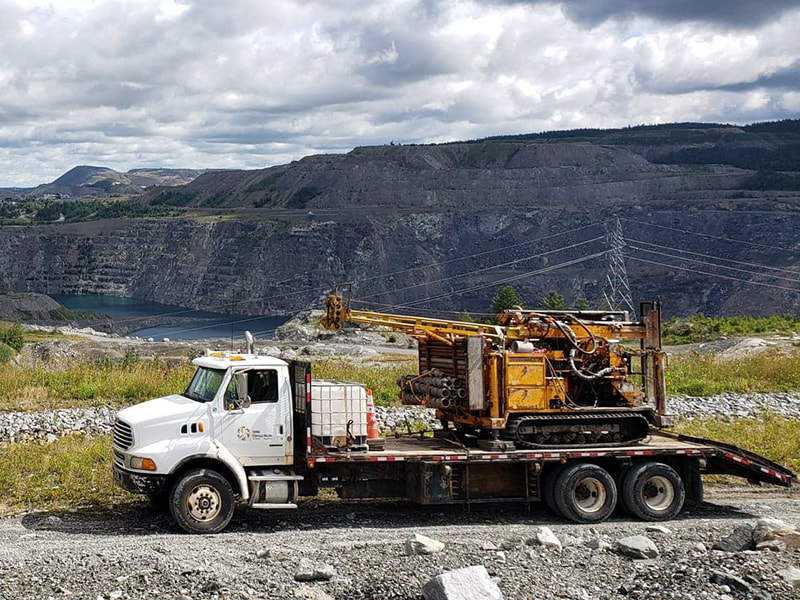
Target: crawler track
column 575, row 429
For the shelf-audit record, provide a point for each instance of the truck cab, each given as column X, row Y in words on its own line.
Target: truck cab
column 229, row 433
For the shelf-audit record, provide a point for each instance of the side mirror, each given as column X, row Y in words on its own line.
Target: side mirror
column 241, row 390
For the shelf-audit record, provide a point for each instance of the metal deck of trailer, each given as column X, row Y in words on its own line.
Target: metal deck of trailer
column 717, row 458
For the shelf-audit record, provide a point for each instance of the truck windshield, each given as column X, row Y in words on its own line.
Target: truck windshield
column 204, row 384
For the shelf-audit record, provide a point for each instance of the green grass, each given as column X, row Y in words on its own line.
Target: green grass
column 85, row 384
column 705, row 376
column 33, row 336
column 381, row 380
column 71, row 472
column 775, row 437
column 698, row 328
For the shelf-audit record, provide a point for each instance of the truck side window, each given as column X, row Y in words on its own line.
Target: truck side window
column 231, row 395
column 262, row 386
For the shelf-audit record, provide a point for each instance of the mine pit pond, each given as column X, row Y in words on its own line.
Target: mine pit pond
column 193, row 325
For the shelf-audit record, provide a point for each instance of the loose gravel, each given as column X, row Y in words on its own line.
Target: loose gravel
column 357, row 550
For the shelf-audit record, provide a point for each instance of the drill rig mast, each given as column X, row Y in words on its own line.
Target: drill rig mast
column 536, row 379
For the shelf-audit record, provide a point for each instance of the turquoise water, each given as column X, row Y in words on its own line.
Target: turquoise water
column 212, row 325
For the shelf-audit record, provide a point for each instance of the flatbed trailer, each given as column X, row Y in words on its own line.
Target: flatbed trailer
column 442, row 470
column 717, row 458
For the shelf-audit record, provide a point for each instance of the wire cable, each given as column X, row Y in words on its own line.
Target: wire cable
column 711, row 264
column 706, row 273
column 484, row 269
column 708, row 235
column 505, row 279
column 738, row 262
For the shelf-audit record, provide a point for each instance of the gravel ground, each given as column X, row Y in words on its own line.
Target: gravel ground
column 136, row 552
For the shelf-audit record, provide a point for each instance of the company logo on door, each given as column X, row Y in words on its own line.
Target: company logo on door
column 243, row 433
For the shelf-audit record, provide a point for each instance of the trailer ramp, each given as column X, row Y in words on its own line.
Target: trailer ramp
column 727, row 459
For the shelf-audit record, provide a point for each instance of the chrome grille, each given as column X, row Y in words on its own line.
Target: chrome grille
column 123, row 435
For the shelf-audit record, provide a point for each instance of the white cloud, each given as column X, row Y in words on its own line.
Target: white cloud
column 246, row 84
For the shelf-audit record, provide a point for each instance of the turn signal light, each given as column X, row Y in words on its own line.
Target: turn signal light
column 143, row 464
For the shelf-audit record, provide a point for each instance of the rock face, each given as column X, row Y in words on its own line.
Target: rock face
column 413, row 222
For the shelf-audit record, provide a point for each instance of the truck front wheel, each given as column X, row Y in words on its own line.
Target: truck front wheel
column 201, row 501
column 653, row 491
column 585, row 493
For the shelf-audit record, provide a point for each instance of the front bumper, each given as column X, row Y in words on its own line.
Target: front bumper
column 140, row 483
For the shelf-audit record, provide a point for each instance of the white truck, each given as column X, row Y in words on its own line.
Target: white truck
column 261, row 430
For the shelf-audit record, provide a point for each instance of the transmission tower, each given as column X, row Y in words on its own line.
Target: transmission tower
column 617, row 292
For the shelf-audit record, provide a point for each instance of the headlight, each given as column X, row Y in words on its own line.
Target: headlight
column 143, row 464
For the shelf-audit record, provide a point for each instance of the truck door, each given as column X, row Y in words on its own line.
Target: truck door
column 258, row 431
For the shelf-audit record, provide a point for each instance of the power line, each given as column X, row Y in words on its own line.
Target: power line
column 711, row 264
column 715, row 237
column 498, row 266
column 477, row 254
column 738, row 262
column 506, row 279
column 706, row 273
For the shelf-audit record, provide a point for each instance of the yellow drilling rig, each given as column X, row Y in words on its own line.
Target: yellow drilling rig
column 537, row 379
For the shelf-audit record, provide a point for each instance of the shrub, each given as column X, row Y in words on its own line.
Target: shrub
column 13, row 336
column 6, row 353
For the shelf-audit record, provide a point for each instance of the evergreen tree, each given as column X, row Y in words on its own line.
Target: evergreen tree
column 554, row 301
column 581, row 304
column 505, row 298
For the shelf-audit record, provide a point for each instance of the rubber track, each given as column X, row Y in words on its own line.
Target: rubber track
column 617, row 417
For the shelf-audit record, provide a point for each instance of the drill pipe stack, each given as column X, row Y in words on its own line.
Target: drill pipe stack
column 431, row 389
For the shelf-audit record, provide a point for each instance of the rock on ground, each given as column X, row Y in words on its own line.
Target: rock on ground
column 637, row 546
column 309, row 570
column 422, row 544
column 469, row 583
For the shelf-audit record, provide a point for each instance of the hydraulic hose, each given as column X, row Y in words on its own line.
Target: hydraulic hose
column 587, row 376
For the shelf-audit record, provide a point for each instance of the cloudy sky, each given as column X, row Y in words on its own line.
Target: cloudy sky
column 252, row 83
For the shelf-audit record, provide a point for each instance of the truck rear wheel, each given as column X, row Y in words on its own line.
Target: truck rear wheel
column 585, row 493
column 548, row 489
column 202, row 501
column 653, row 491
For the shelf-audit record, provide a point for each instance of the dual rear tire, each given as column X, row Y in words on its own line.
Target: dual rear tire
column 653, row 491
column 587, row 493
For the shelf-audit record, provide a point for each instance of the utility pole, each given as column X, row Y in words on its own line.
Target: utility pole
column 617, row 292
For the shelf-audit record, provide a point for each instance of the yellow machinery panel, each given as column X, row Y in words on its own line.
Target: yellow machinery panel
column 526, row 382
column 527, row 398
